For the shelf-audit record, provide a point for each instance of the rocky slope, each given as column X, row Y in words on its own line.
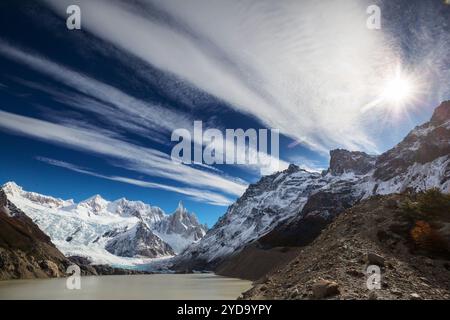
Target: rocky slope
column 26, row 251
column 291, row 208
column 377, row 232
column 273, row 200
column 120, row 232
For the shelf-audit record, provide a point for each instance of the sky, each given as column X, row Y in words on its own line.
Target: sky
column 91, row 111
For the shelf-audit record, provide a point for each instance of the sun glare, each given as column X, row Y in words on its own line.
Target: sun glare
column 399, row 89
column 398, row 92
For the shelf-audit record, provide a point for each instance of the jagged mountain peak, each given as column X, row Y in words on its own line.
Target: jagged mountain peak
column 95, row 199
column 96, row 204
column 357, row 162
column 138, row 241
column 422, row 157
column 12, row 187
column 180, row 208
column 182, row 215
column 14, row 190
column 179, row 227
column 292, row 168
column 442, row 113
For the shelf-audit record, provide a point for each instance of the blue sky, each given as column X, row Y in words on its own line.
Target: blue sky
column 91, row 111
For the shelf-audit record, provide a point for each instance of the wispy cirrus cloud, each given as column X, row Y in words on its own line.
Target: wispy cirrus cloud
column 122, row 121
column 120, row 109
column 305, row 67
column 95, row 96
column 195, row 194
column 130, row 156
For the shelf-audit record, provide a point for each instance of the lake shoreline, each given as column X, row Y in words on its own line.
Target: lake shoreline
column 204, row 286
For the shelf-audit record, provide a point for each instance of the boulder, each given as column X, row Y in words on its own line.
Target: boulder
column 373, row 258
column 325, row 288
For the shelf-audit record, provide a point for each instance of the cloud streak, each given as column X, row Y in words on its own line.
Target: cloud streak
column 132, row 157
column 120, row 109
column 195, row 194
column 99, row 97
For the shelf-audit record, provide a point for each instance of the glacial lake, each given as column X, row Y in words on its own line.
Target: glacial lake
column 135, row 287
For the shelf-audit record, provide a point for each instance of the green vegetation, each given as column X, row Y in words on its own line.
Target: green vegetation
column 429, row 206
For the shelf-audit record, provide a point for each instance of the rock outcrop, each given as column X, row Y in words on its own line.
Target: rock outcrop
column 356, row 162
column 426, row 144
column 25, row 251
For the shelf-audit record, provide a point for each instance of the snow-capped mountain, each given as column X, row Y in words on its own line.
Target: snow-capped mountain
column 421, row 161
column 291, row 207
column 138, row 241
column 120, row 232
column 180, row 229
column 273, row 200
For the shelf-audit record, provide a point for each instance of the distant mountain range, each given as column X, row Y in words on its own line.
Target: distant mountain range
column 291, row 208
column 120, row 232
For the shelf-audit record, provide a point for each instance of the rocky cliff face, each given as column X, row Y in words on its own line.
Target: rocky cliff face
column 25, row 251
column 426, row 144
column 343, row 161
column 319, row 210
column 291, row 208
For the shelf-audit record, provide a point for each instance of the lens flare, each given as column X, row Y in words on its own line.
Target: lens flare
column 396, row 94
column 399, row 89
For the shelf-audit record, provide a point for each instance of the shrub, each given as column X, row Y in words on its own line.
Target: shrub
column 425, row 237
column 427, row 212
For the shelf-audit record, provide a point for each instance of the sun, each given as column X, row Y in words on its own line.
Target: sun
column 397, row 93
column 399, row 89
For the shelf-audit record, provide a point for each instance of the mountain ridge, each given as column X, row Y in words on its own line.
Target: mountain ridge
column 100, row 230
column 292, row 207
